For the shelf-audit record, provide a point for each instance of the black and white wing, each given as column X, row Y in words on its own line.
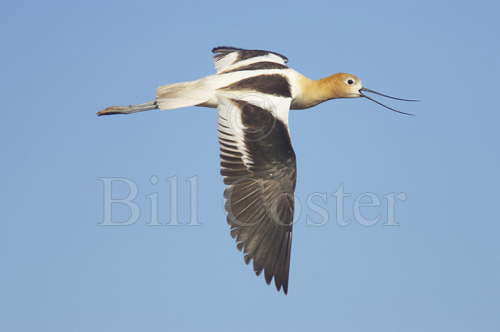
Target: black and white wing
column 228, row 59
column 258, row 165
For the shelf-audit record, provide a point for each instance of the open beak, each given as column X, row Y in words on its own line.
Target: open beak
column 384, row 95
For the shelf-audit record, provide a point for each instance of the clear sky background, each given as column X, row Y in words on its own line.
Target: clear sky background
column 439, row 270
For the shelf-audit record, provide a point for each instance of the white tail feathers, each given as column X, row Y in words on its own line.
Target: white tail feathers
column 182, row 94
column 168, row 97
column 201, row 92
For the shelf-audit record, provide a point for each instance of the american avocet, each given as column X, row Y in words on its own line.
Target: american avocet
column 253, row 91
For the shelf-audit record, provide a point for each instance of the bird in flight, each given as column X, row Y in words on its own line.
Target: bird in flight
column 253, row 91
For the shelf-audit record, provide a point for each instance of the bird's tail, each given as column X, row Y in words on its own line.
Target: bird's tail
column 152, row 105
column 169, row 97
column 183, row 94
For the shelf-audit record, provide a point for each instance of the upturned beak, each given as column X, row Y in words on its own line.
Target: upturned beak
column 361, row 94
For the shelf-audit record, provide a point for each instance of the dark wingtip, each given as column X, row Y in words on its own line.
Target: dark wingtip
column 281, row 285
column 225, row 49
column 285, row 289
column 229, row 49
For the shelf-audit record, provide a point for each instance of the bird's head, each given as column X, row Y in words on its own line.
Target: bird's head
column 344, row 85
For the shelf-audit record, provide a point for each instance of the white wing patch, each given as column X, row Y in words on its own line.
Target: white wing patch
column 231, row 128
column 278, row 106
column 230, row 123
column 225, row 61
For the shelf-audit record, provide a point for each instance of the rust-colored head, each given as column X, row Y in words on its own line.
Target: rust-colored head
column 343, row 85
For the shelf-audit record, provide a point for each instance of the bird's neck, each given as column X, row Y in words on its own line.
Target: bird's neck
column 314, row 92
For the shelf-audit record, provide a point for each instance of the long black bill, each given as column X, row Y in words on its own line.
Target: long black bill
column 384, row 95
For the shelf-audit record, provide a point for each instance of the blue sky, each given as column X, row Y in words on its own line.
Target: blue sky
column 438, row 269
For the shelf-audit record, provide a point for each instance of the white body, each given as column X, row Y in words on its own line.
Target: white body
column 203, row 92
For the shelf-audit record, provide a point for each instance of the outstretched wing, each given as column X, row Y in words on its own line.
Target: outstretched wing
column 228, row 58
column 258, row 165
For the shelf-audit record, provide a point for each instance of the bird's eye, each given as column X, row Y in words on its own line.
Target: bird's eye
column 350, row 81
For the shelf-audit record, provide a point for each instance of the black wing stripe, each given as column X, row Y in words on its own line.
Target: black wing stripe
column 272, row 84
